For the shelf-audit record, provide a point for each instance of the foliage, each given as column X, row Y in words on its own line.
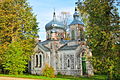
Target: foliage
column 59, row 74
column 14, row 59
column 48, row 71
column 17, row 26
column 102, row 21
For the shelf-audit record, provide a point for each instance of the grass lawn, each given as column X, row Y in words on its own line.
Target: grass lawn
column 96, row 77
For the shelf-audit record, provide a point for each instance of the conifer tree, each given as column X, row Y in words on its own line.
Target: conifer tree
column 18, row 30
column 102, row 30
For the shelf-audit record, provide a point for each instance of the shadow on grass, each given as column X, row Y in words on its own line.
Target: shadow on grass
column 96, row 77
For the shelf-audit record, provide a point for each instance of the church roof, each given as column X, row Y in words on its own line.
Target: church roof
column 76, row 19
column 44, row 48
column 64, row 41
column 45, row 42
column 66, row 47
column 76, row 22
column 54, row 24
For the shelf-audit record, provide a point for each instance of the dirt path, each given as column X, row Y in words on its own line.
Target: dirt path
column 12, row 78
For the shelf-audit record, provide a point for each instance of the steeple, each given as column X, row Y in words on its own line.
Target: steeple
column 75, row 9
column 54, row 23
column 54, row 15
column 76, row 14
column 54, row 27
column 76, row 26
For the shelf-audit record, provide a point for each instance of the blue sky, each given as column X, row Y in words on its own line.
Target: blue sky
column 44, row 11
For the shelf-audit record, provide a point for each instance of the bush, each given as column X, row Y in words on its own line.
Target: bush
column 59, row 73
column 116, row 76
column 48, row 71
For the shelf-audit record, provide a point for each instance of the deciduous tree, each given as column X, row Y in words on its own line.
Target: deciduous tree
column 18, row 30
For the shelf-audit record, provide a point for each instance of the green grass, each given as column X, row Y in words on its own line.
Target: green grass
column 59, row 77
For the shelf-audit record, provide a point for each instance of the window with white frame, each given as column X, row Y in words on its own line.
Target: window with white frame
column 38, row 60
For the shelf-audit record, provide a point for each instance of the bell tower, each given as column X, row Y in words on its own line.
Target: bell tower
column 76, row 27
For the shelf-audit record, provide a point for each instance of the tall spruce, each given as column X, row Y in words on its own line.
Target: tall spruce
column 102, row 33
column 18, row 30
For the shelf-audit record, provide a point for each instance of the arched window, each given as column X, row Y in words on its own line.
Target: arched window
column 48, row 36
column 36, row 60
column 68, row 63
column 73, row 34
column 82, row 36
column 51, row 45
column 83, row 54
column 40, row 61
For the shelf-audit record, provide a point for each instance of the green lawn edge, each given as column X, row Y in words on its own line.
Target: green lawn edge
column 59, row 77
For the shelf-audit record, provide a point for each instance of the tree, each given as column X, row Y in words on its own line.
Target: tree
column 18, row 27
column 102, row 34
column 14, row 59
column 48, row 71
column 64, row 18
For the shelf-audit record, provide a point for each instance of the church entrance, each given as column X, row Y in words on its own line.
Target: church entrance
column 84, row 65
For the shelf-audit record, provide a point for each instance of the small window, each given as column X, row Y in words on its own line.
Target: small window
column 51, row 45
column 82, row 36
column 36, row 60
column 48, row 36
column 68, row 63
column 73, row 35
column 40, row 61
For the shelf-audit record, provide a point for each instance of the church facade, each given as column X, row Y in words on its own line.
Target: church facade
column 68, row 57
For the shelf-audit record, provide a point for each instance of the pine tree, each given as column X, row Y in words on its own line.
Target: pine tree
column 18, row 28
column 102, row 21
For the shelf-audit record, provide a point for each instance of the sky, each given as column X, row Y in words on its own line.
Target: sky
column 44, row 10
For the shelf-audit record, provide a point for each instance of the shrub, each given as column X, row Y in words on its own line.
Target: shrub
column 116, row 76
column 48, row 71
column 59, row 74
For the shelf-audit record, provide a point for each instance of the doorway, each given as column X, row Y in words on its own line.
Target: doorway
column 84, row 65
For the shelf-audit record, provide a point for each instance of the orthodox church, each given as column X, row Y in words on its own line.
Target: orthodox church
column 68, row 57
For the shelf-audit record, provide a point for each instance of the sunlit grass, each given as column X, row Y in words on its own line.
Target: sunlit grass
column 59, row 77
